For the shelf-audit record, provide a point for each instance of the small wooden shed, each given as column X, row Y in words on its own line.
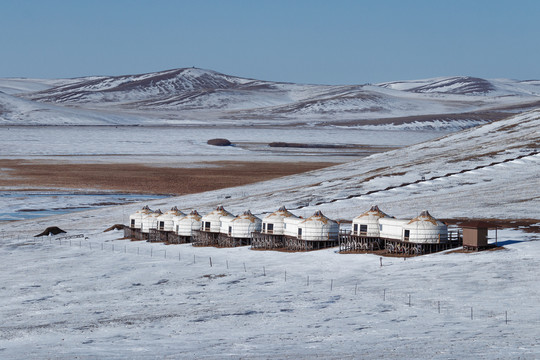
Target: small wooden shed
column 475, row 234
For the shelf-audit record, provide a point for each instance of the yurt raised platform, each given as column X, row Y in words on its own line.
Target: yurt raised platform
column 353, row 243
column 168, row 237
column 394, row 246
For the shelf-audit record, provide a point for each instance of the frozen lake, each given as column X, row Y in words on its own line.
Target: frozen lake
column 170, row 145
column 21, row 205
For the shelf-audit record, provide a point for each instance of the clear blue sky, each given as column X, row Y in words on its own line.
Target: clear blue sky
column 330, row 42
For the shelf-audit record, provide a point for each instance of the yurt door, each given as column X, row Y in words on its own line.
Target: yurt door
column 299, row 233
column 407, row 234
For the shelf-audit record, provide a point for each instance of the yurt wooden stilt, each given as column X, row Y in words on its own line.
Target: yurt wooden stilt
column 260, row 240
column 204, row 238
column 352, row 243
column 156, row 235
column 394, row 246
column 229, row 241
column 173, row 238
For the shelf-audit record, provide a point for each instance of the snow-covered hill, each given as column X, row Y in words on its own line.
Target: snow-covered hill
column 181, row 95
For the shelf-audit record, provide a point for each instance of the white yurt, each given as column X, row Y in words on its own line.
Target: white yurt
column 165, row 221
column 185, row 225
column 150, row 221
column 318, row 227
column 275, row 222
column 135, row 220
column 211, row 222
column 425, row 229
column 243, row 225
column 367, row 224
column 390, row 228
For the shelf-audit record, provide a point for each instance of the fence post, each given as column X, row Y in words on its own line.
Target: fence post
column 331, row 284
column 227, row 262
column 210, row 261
column 506, row 317
column 439, row 306
column 307, row 280
column 355, row 287
column 409, row 299
column 264, row 271
column 245, row 267
column 285, row 275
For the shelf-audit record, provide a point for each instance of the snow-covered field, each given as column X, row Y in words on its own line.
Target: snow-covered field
column 106, row 297
column 103, row 297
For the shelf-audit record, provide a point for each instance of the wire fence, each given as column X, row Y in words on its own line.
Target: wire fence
column 468, row 310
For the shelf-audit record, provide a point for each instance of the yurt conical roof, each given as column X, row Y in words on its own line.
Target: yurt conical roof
column 246, row 216
column 373, row 212
column 174, row 212
column 318, row 216
column 281, row 213
column 194, row 215
column 217, row 214
column 145, row 210
column 425, row 220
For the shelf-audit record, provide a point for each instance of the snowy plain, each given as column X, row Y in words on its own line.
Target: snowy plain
column 101, row 296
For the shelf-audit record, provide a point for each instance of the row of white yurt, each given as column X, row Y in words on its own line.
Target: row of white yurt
column 367, row 224
column 275, row 222
column 212, row 222
column 135, row 220
column 166, row 221
column 318, row 227
column 425, row 229
column 185, row 225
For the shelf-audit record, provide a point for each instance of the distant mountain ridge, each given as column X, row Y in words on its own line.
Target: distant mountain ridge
column 192, row 95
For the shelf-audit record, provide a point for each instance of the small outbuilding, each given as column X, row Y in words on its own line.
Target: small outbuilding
column 475, row 235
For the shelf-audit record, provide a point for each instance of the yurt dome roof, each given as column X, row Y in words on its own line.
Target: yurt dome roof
column 217, row 214
column 247, row 216
column 282, row 212
column 374, row 211
column 194, row 215
column 174, row 212
column 318, row 216
column 425, row 220
column 145, row 210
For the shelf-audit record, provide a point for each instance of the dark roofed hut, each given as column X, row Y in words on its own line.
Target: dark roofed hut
column 475, row 235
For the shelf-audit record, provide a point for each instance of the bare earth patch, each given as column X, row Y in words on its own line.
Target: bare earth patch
column 137, row 178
